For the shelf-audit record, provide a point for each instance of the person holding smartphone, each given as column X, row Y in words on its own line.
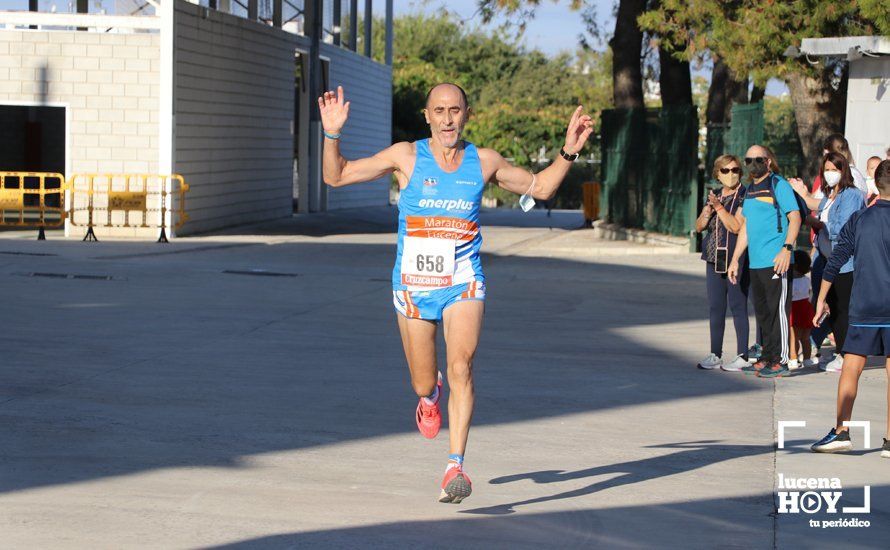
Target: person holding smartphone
column 722, row 219
column 770, row 223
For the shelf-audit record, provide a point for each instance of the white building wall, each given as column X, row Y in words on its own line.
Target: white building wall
column 368, row 86
column 868, row 109
column 108, row 81
column 233, row 108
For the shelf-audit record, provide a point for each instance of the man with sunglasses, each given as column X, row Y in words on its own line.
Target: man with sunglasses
column 770, row 224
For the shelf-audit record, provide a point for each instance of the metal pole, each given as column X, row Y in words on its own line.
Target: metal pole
column 83, row 6
column 389, row 37
column 253, row 9
column 32, row 6
column 312, row 15
column 277, row 17
column 353, row 25
column 338, row 6
column 369, row 15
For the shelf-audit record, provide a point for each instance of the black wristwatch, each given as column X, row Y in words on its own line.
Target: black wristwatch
column 788, row 247
column 568, row 157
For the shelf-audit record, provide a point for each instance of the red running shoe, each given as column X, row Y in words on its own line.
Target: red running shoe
column 429, row 417
column 456, row 486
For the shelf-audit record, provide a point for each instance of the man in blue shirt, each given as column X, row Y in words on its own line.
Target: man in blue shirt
column 771, row 222
column 865, row 238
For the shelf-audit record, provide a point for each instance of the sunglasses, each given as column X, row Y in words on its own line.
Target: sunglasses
column 752, row 160
column 735, row 170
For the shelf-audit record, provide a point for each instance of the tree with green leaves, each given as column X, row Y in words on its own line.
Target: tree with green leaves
column 626, row 43
column 751, row 37
column 519, row 97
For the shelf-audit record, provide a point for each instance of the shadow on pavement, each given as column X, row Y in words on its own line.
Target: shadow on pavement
column 693, row 455
column 175, row 364
column 646, row 526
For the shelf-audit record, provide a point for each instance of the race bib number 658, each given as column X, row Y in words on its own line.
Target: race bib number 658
column 427, row 261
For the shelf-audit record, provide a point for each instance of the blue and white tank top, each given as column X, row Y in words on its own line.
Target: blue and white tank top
column 439, row 238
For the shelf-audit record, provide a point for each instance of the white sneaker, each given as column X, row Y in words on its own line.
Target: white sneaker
column 710, row 362
column 735, row 365
column 834, row 365
column 793, row 364
column 810, row 362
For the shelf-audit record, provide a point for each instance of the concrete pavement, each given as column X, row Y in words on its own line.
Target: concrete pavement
column 248, row 390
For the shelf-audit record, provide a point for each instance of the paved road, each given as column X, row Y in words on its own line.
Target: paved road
column 248, row 390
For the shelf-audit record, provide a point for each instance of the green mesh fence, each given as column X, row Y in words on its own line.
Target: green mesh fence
column 649, row 168
column 716, row 139
column 746, row 129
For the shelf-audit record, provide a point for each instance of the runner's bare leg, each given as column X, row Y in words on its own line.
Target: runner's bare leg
column 419, row 341
column 463, row 324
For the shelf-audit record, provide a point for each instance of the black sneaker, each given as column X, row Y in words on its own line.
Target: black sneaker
column 835, row 443
column 885, row 449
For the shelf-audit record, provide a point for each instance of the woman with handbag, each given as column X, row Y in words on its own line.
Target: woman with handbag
column 722, row 220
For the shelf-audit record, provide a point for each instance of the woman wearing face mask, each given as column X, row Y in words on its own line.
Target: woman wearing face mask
column 722, row 219
column 841, row 199
column 837, row 143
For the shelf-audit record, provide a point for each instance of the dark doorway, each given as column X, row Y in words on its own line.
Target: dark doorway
column 33, row 139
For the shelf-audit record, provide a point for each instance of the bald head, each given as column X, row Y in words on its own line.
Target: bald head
column 756, row 151
column 446, row 92
column 446, row 112
column 758, row 162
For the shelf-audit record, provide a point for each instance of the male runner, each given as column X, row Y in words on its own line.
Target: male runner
column 438, row 273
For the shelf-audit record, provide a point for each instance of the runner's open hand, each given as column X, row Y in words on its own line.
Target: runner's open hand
column 334, row 111
column 580, row 128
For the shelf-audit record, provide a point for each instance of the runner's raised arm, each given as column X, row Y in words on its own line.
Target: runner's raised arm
column 547, row 181
column 336, row 170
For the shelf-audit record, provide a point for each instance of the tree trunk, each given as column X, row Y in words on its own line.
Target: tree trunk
column 627, row 77
column 819, row 111
column 674, row 80
column 715, row 112
column 724, row 91
column 757, row 93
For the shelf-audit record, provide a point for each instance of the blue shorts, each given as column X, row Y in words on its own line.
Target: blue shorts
column 429, row 304
column 868, row 341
